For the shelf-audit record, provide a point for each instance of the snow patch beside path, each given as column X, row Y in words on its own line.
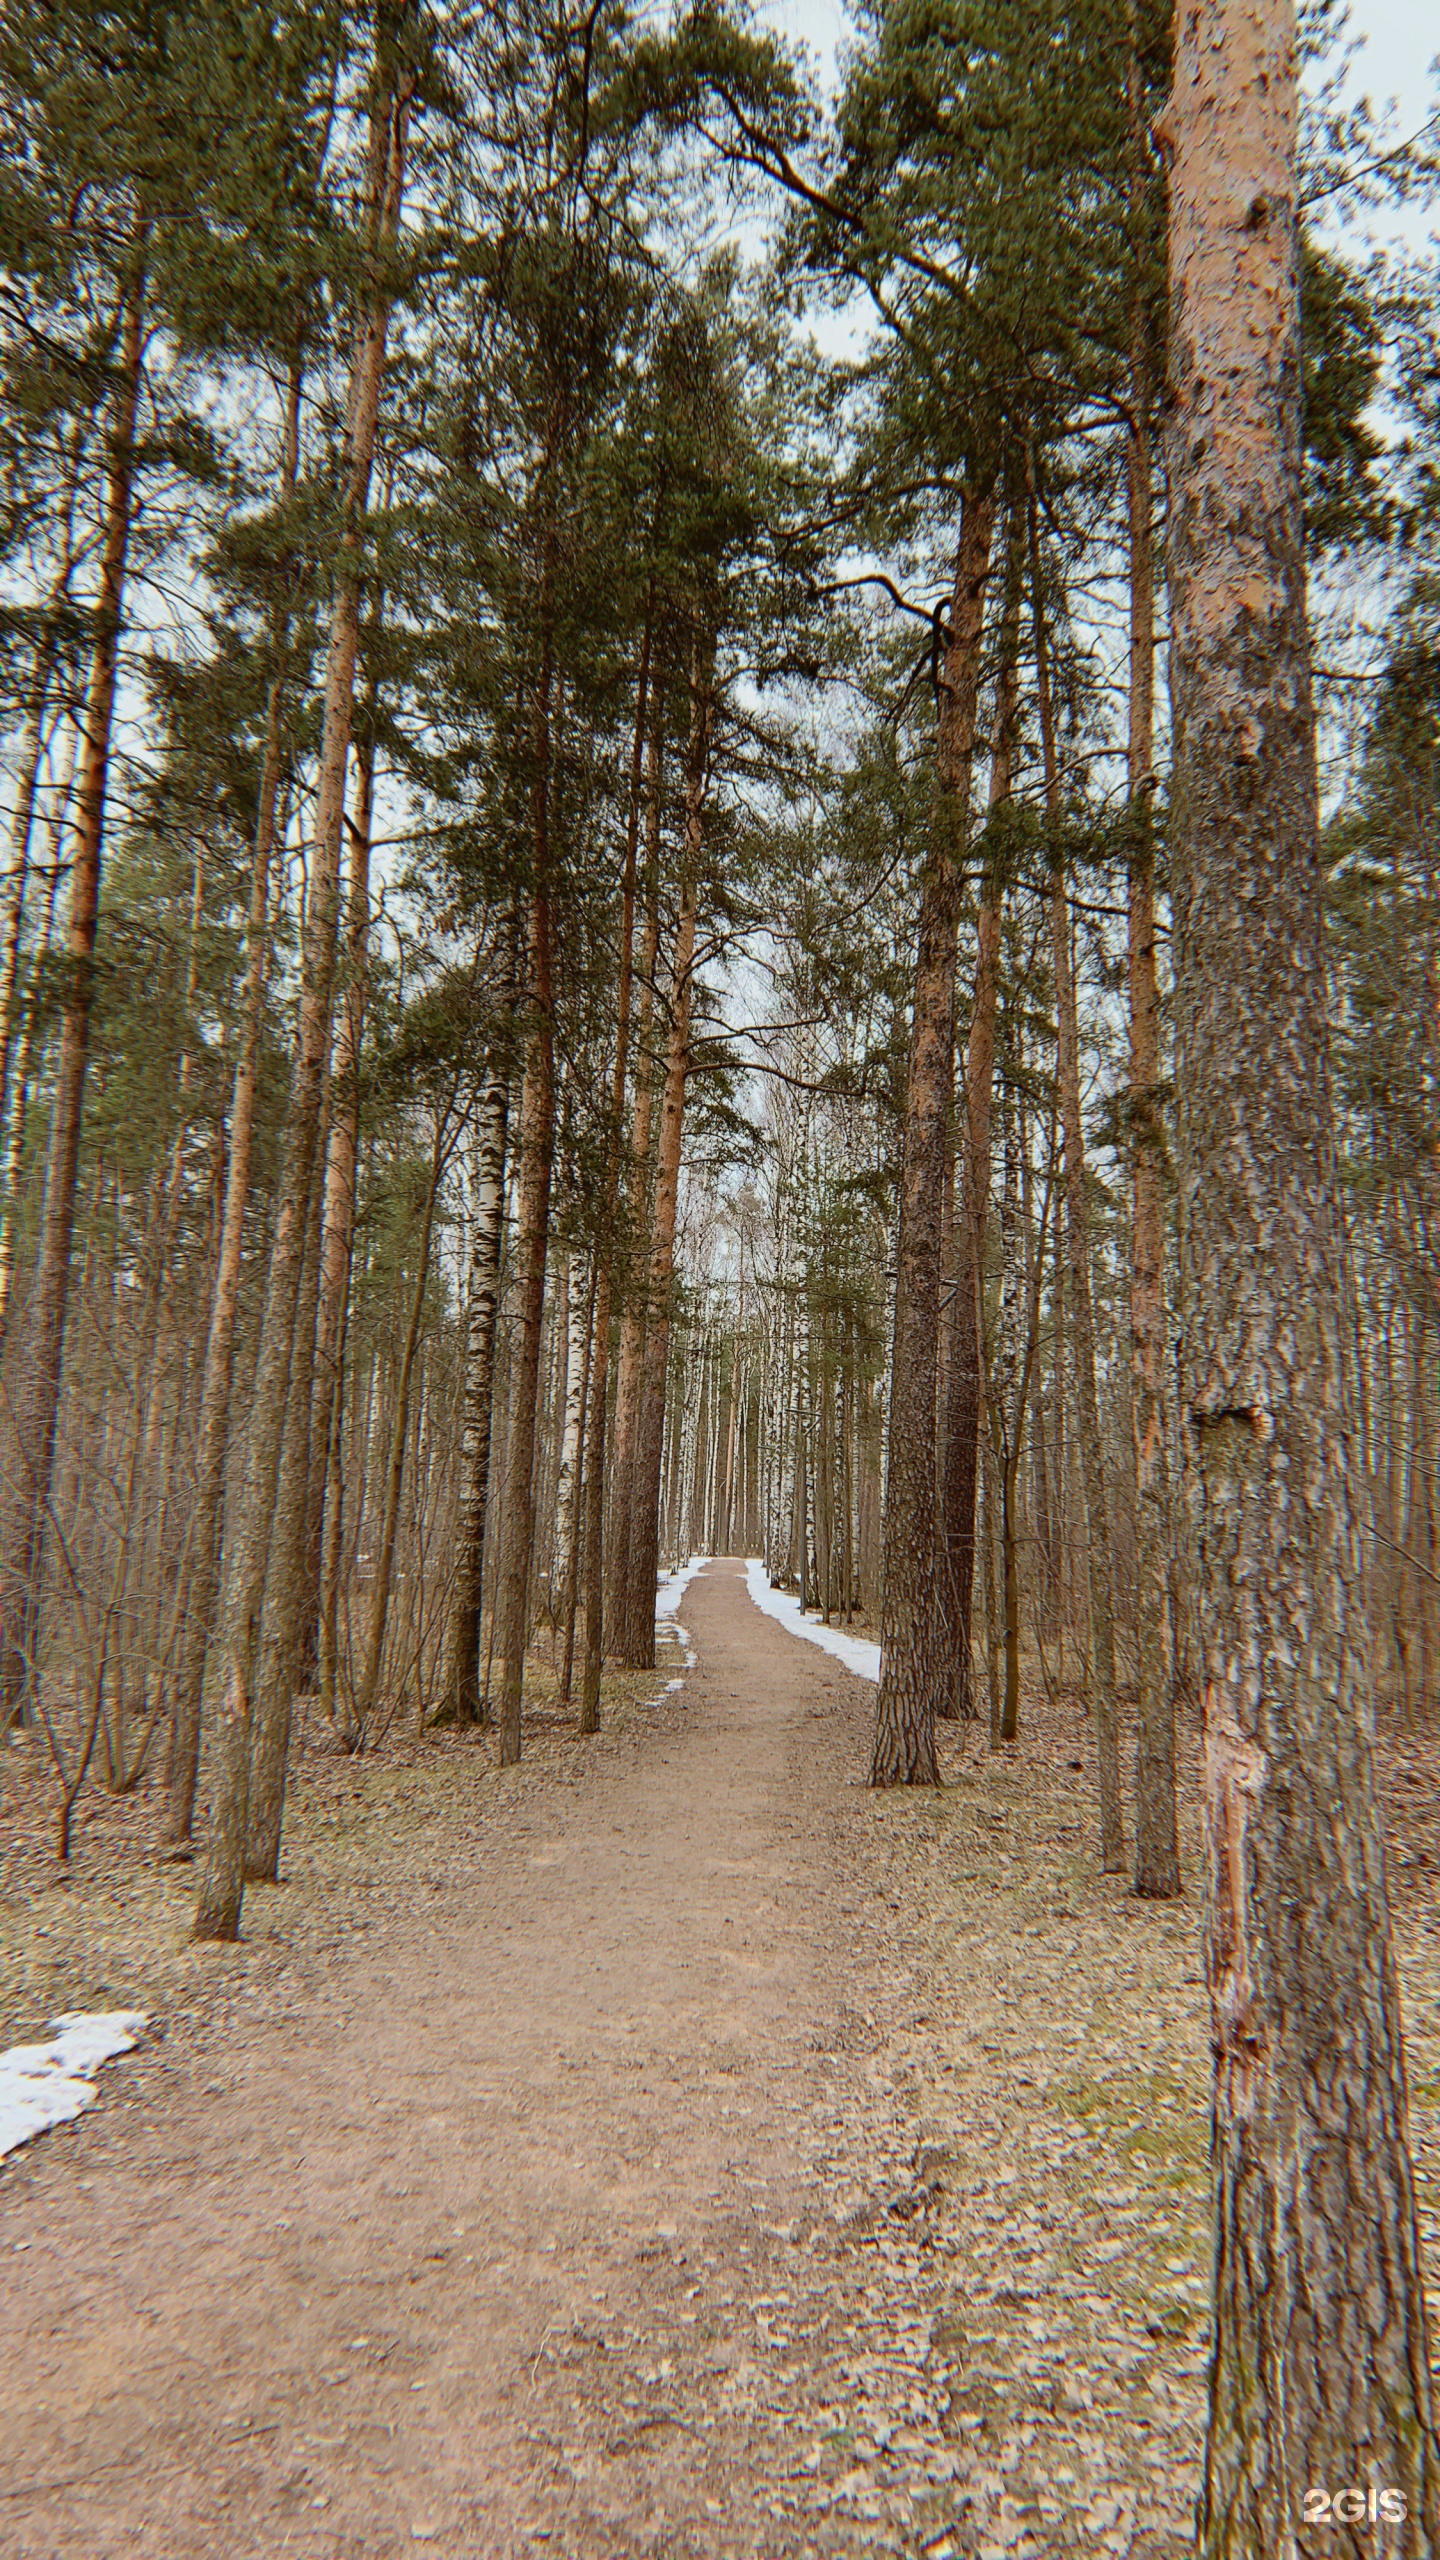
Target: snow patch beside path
column 671, row 1588
column 856, row 1652
column 47, row 2084
column 668, row 1596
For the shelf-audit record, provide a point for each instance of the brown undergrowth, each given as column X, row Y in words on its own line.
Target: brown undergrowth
column 1041, row 2187
column 110, row 1927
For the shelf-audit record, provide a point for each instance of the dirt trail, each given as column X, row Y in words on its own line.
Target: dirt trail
column 466, row 2253
column 667, row 2148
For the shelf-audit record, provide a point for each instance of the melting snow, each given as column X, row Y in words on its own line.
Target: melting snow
column 47, row 2084
column 667, row 1600
column 856, row 1652
column 672, row 1587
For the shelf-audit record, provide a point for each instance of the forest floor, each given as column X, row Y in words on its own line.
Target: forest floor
column 667, row 2147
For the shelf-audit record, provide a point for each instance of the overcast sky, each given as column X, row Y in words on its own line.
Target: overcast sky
column 1398, row 62
column 1401, row 43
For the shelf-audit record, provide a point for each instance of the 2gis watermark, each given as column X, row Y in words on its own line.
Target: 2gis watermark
column 1354, row 2505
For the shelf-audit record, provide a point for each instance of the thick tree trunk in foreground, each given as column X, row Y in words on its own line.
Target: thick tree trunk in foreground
column 1157, row 1848
column 912, row 1668
column 222, row 1885
column 1320, row 2369
column 25, row 1501
column 1077, row 1243
column 650, row 1444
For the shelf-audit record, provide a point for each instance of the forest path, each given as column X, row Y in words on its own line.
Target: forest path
column 508, row 2238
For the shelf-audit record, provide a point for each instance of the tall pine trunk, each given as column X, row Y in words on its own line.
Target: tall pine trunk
column 912, row 1667
column 342, row 1154
column 1320, row 2373
column 212, row 1438
column 1077, row 1242
column 1157, row 1848
column 487, row 1237
column 223, row 1882
column 629, row 1612
column 644, row 1525
column 31, row 1022
column 36, row 739
column 537, row 1155
column 963, row 1401
column 25, row 1501
column 1007, row 1408
column 594, row 1532
column 572, row 1507
column 277, row 1664
column 367, row 1687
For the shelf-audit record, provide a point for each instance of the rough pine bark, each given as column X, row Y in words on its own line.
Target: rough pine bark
column 222, row 1884
column 912, row 1667
column 25, row 1499
column 1320, row 2377
column 1077, row 1270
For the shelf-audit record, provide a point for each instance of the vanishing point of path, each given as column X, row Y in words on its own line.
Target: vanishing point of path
column 507, row 2238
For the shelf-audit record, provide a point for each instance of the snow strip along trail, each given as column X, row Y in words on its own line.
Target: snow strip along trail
column 668, row 1597
column 48, row 2084
column 856, row 1652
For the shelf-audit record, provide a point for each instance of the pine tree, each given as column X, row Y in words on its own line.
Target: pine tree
column 138, row 147
column 248, row 1546
column 1320, row 2358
